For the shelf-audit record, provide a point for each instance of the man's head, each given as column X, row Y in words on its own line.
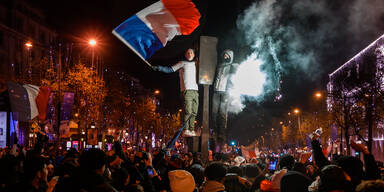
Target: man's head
column 228, row 56
column 333, row 177
column 215, row 171
column 286, row 161
column 94, row 160
column 35, row 168
column 353, row 167
column 189, row 54
column 370, row 186
column 181, row 181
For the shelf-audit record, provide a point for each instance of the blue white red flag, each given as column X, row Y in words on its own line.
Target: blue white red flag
column 28, row 101
column 150, row 29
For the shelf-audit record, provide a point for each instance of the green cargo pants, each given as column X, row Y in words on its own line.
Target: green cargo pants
column 191, row 105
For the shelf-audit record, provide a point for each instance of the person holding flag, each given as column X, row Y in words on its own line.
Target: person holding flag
column 188, row 88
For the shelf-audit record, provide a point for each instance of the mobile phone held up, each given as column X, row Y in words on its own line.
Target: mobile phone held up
column 272, row 165
column 149, row 171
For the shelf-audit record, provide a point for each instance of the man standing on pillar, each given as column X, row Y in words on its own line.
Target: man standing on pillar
column 220, row 96
column 188, row 88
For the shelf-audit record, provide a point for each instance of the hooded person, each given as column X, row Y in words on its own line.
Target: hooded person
column 222, row 84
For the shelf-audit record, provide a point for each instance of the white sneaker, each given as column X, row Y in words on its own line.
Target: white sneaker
column 187, row 133
column 193, row 133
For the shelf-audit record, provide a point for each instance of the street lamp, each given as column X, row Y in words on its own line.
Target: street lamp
column 318, row 95
column 297, row 112
column 157, row 92
column 92, row 43
column 28, row 45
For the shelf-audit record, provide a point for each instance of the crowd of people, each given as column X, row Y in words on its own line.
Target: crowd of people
column 46, row 168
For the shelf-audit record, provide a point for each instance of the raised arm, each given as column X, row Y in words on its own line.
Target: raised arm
column 371, row 169
column 164, row 69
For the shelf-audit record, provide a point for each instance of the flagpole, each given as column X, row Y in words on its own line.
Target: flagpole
column 177, row 134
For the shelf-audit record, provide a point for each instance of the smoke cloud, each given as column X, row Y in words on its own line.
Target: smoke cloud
column 287, row 36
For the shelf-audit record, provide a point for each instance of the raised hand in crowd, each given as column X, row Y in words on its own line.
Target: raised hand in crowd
column 359, row 147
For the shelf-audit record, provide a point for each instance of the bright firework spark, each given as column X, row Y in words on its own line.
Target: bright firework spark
column 248, row 80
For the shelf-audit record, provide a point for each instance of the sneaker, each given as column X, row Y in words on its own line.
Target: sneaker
column 193, row 133
column 187, row 133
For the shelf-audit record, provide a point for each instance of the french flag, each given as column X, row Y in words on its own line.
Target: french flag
column 28, row 101
column 150, row 29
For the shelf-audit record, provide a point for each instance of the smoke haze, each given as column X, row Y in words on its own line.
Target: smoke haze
column 298, row 36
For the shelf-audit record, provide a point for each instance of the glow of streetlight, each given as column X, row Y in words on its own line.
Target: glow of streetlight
column 28, row 44
column 157, row 92
column 296, row 111
column 318, row 95
column 92, row 42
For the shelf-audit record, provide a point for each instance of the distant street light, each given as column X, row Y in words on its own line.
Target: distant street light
column 318, row 95
column 297, row 112
column 28, row 44
column 157, row 92
column 92, row 42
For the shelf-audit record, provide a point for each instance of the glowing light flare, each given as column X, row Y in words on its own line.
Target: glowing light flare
column 28, row 44
column 92, row 42
column 249, row 79
column 318, row 95
column 296, row 111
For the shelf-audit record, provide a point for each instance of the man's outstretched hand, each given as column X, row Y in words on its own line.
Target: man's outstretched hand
column 359, row 147
column 155, row 68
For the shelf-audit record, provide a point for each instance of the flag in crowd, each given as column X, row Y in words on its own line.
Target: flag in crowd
column 28, row 101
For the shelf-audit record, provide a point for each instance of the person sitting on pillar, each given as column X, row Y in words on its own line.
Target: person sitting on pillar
column 188, row 88
column 222, row 84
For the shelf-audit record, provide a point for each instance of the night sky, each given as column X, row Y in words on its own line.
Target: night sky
column 87, row 18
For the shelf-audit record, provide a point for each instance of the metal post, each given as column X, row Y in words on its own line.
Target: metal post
column 299, row 127
column 29, row 65
column 205, row 128
column 93, row 57
column 59, row 96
